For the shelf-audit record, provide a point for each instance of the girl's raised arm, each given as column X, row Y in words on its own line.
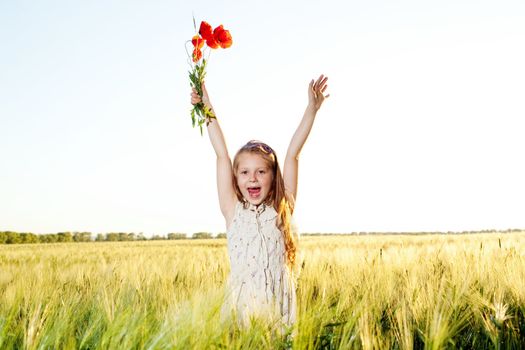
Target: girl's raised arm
column 316, row 98
column 227, row 197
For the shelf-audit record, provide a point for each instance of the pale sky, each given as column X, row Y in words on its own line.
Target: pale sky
column 422, row 131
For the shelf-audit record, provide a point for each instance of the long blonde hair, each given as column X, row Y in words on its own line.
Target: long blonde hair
column 277, row 197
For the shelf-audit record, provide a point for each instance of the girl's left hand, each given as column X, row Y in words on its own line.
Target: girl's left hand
column 316, row 91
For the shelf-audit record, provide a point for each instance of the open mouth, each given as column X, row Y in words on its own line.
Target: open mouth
column 254, row 191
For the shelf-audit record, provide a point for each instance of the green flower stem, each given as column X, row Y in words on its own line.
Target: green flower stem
column 200, row 113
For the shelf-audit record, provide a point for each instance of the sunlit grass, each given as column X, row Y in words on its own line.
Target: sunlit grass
column 369, row 292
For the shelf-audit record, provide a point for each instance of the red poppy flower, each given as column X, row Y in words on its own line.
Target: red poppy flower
column 222, row 37
column 197, row 55
column 212, row 43
column 207, row 34
column 197, row 42
column 200, row 115
column 205, row 30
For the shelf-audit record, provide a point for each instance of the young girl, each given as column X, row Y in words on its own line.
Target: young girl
column 257, row 202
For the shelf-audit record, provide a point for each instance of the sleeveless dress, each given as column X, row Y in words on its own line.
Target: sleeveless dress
column 260, row 283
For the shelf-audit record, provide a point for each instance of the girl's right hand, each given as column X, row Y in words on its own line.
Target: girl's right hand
column 195, row 98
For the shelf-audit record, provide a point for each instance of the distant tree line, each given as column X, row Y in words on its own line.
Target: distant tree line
column 10, row 237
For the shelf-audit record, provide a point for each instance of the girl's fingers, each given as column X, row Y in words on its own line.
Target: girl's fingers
column 320, row 83
column 323, row 82
column 195, row 98
column 319, row 86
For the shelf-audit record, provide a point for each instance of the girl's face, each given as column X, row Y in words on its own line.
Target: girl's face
column 254, row 177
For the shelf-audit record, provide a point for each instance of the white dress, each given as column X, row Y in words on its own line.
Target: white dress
column 260, row 282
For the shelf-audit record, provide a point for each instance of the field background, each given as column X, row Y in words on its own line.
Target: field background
column 362, row 291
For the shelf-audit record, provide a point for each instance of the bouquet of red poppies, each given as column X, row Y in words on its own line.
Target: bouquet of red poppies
column 213, row 38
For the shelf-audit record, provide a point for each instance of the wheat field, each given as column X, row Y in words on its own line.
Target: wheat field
column 354, row 292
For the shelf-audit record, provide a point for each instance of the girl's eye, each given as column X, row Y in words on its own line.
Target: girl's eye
column 262, row 172
column 244, row 172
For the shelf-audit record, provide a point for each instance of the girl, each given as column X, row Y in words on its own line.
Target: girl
column 257, row 203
